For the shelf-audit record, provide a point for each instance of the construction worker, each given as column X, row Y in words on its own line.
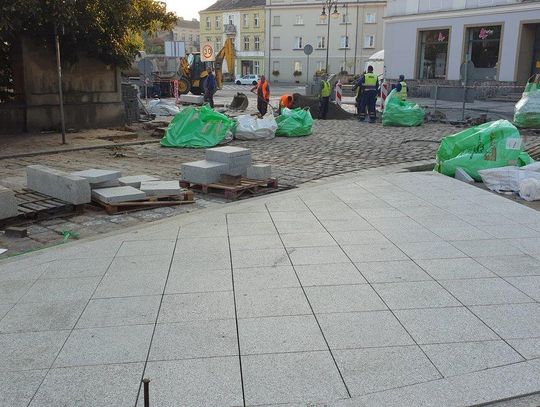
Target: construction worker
column 209, row 87
column 324, row 97
column 370, row 87
column 358, row 89
column 285, row 101
column 401, row 88
column 263, row 95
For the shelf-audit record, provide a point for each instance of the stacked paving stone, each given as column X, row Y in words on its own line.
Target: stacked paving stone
column 224, row 161
column 104, row 185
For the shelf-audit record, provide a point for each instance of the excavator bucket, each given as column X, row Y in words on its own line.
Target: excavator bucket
column 239, row 102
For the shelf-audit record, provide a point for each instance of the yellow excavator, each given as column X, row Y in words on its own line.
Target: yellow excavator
column 192, row 71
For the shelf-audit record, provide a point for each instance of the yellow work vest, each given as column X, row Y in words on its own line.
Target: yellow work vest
column 326, row 89
column 402, row 94
column 370, row 80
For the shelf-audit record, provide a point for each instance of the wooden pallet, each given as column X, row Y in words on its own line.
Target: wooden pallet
column 233, row 192
column 534, row 152
column 34, row 206
column 148, row 203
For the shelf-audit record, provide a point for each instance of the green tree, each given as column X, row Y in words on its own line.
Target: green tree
column 107, row 29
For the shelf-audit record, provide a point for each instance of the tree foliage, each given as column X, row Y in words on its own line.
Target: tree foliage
column 107, row 29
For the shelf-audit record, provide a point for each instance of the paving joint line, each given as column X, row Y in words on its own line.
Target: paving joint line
column 371, row 285
column 74, row 325
column 310, row 306
column 157, row 317
column 235, row 312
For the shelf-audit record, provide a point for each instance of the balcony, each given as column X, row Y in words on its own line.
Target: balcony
column 229, row 29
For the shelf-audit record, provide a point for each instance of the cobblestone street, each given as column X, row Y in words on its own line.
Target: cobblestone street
column 335, row 147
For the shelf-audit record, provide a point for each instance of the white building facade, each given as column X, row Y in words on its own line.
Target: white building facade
column 356, row 33
column 429, row 40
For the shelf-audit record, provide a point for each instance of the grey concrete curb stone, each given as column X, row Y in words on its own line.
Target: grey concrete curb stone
column 160, row 188
column 58, row 184
column 135, row 180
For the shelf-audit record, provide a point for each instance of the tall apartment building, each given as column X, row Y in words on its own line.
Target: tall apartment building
column 242, row 20
column 356, row 33
column 430, row 40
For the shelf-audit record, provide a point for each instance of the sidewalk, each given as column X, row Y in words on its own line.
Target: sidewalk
column 379, row 289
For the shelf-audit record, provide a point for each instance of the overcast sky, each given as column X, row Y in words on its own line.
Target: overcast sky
column 188, row 8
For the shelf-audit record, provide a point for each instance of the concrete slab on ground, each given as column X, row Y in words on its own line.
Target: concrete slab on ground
column 161, row 188
column 96, row 176
column 318, row 315
column 58, row 184
column 118, row 194
column 8, row 203
column 135, row 180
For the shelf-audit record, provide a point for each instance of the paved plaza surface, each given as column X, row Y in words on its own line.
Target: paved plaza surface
column 335, row 147
column 374, row 289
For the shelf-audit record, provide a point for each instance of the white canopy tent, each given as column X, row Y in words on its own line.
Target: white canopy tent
column 377, row 62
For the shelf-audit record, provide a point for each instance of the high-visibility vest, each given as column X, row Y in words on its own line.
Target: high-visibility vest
column 402, row 94
column 370, row 80
column 326, row 89
column 263, row 89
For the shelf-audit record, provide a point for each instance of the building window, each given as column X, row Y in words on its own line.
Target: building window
column 344, row 42
column 246, row 43
column 298, row 66
column 218, row 21
column 218, row 44
column 321, row 66
column 191, row 37
column 275, row 66
column 231, row 19
column 298, row 43
column 246, row 20
column 433, row 54
column 277, row 20
column 208, row 23
column 256, row 19
column 370, row 18
column 344, row 18
column 257, row 43
column 369, row 41
column 276, row 43
column 257, row 67
column 183, row 36
column 321, row 42
column 299, row 20
column 483, row 50
column 208, row 39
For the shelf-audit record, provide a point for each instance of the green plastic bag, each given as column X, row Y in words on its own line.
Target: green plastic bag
column 294, row 123
column 490, row 145
column 198, row 127
column 401, row 113
column 527, row 110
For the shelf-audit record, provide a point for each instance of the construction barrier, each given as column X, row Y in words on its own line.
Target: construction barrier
column 339, row 93
column 384, row 93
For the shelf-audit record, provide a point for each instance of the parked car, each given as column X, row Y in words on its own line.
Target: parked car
column 247, row 80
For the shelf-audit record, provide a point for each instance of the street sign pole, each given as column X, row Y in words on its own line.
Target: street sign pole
column 308, row 50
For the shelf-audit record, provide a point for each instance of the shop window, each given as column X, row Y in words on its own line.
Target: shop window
column 298, row 66
column 433, row 54
column 483, row 50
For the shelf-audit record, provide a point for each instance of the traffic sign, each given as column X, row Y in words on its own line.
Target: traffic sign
column 207, row 52
column 308, row 49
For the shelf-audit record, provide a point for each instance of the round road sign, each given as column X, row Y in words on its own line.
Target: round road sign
column 207, row 52
column 308, row 49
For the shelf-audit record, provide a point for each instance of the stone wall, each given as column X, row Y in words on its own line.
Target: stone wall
column 92, row 93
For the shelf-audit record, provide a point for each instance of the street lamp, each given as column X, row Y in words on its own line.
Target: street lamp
column 346, row 21
column 328, row 4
